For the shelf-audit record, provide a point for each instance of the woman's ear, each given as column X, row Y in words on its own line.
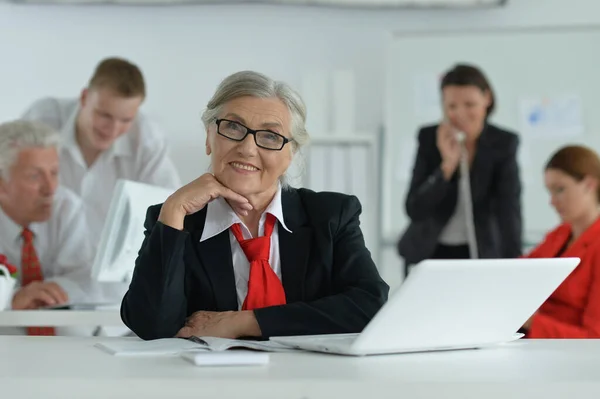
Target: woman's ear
column 208, row 149
column 591, row 184
column 488, row 98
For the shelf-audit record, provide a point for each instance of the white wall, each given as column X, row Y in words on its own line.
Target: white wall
column 185, row 51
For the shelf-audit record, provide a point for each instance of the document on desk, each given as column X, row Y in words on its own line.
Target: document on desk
column 176, row 346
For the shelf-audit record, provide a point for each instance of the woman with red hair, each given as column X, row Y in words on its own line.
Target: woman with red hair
column 572, row 176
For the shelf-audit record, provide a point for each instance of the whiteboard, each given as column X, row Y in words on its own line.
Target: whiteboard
column 525, row 63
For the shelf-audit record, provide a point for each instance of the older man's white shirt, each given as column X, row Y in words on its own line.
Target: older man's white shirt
column 140, row 155
column 61, row 245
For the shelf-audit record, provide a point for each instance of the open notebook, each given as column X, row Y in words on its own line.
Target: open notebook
column 176, row 346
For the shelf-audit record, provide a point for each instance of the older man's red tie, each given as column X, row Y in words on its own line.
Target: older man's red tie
column 31, row 271
column 264, row 287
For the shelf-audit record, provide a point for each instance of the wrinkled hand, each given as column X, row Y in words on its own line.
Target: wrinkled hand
column 194, row 196
column 221, row 324
column 38, row 294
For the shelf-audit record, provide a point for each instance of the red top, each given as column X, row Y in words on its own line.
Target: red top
column 573, row 310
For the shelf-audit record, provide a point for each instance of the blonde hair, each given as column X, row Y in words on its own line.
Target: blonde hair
column 119, row 75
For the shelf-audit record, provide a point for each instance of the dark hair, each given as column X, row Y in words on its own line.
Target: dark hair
column 578, row 162
column 120, row 75
column 469, row 75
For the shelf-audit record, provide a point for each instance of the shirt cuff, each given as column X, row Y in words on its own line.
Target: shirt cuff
column 74, row 290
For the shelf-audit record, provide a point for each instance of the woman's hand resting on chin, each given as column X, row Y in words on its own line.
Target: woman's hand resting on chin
column 194, row 196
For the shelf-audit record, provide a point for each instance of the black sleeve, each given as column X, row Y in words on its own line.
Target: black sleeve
column 507, row 201
column 155, row 304
column 428, row 186
column 358, row 292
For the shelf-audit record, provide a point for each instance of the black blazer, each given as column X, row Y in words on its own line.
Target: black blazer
column 495, row 188
column 330, row 281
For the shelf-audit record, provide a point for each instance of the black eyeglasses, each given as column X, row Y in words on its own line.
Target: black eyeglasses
column 263, row 138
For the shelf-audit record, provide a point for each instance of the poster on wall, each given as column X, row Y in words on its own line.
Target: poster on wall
column 558, row 117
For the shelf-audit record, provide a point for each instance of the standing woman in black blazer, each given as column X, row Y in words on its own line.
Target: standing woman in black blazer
column 436, row 206
column 237, row 252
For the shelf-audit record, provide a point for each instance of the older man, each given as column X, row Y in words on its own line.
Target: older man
column 42, row 230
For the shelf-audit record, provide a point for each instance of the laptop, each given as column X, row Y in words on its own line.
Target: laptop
column 450, row 305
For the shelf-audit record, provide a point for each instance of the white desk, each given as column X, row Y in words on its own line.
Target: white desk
column 44, row 367
column 62, row 318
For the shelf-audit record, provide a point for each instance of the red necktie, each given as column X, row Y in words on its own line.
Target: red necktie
column 264, row 287
column 31, row 271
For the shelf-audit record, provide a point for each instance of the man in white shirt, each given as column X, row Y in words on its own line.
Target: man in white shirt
column 106, row 138
column 42, row 232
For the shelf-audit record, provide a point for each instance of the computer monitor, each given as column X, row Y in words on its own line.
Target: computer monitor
column 123, row 231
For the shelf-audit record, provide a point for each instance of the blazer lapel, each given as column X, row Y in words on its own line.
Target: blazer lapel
column 294, row 248
column 215, row 256
column 480, row 162
column 588, row 237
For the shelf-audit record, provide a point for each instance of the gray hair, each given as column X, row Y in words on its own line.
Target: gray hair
column 254, row 84
column 20, row 134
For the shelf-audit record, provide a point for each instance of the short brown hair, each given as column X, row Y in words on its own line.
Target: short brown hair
column 578, row 162
column 469, row 75
column 120, row 75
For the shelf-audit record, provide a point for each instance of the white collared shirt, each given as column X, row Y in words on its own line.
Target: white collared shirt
column 61, row 246
column 139, row 155
column 455, row 230
column 220, row 217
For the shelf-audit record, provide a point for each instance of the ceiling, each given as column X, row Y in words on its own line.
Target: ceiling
column 323, row 3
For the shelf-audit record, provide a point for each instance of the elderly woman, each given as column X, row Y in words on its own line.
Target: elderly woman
column 237, row 253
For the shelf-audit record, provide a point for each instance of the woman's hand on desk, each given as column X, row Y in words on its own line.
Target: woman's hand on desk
column 37, row 294
column 194, row 196
column 221, row 324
